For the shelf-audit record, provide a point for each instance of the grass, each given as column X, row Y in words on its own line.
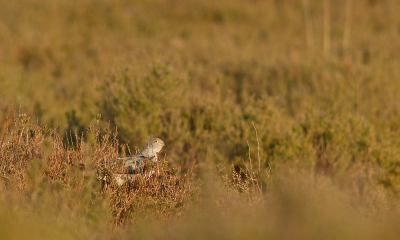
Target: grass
column 281, row 118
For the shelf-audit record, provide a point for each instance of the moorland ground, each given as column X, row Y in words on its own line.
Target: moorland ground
column 281, row 118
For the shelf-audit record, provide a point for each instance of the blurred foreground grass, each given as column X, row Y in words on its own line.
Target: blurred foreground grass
column 270, row 131
column 47, row 194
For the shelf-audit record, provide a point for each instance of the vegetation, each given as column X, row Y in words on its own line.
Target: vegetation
column 280, row 118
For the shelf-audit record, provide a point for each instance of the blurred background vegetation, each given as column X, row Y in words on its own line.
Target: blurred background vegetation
column 274, row 87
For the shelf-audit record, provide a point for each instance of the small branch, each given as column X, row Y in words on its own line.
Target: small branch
column 347, row 25
column 251, row 165
column 308, row 25
column 258, row 149
column 327, row 28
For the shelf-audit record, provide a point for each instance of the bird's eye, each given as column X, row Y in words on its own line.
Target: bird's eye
column 156, row 140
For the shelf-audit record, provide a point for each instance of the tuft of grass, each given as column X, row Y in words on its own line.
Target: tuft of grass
column 47, row 179
column 38, row 165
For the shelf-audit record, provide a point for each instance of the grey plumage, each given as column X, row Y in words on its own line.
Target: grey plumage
column 126, row 168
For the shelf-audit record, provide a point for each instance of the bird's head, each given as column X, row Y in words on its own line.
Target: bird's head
column 153, row 147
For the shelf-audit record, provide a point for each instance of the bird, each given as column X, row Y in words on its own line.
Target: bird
column 129, row 167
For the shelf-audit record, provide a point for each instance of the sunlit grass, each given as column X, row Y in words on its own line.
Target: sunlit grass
column 271, row 133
